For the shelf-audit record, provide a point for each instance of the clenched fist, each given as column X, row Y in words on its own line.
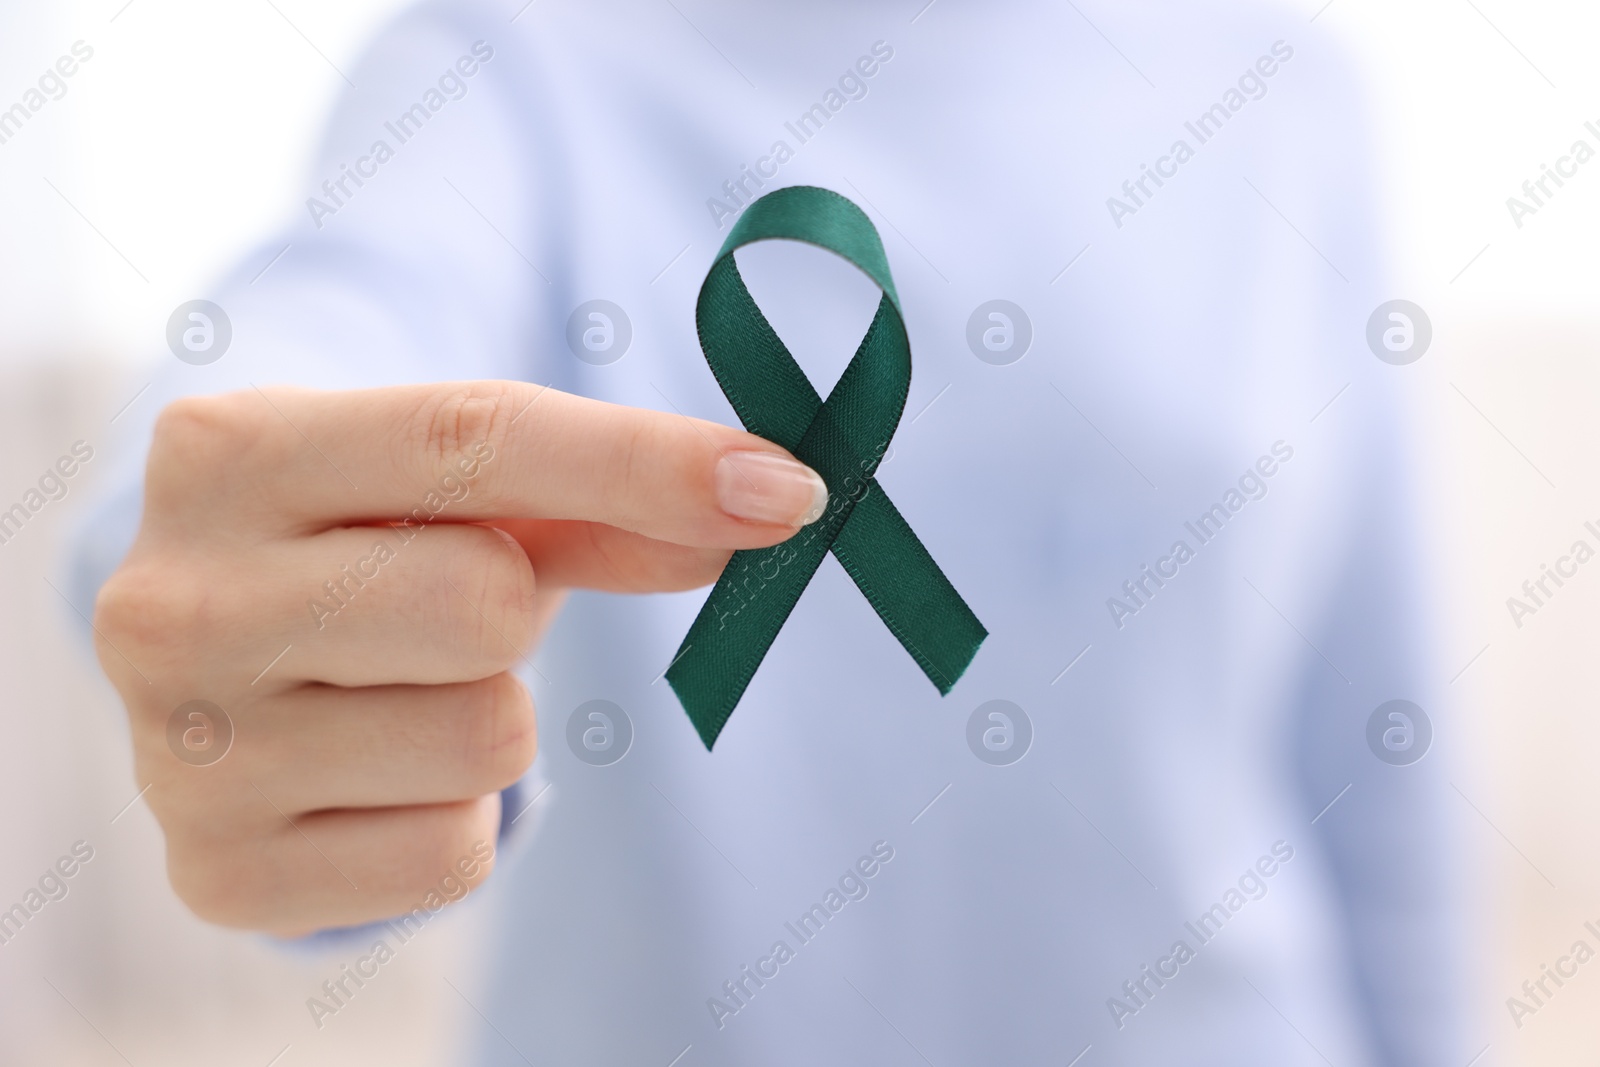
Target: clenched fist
column 350, row 576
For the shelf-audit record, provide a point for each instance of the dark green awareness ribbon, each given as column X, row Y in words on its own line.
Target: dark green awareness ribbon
column 842, row 439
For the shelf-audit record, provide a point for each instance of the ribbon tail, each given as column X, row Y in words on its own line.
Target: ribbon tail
column 737, row 624
column 904, row 585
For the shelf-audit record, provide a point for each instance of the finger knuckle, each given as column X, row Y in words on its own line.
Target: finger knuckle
column 154, row 614
column 500, row 732
column 210, row 888
column 449, row 423
column 492, row 583
column 198, row 439
column 452, row 851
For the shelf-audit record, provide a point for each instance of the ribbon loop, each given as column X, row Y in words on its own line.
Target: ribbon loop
column 843, row 439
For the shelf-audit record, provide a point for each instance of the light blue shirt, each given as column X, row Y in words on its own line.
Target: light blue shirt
column 1192, row 711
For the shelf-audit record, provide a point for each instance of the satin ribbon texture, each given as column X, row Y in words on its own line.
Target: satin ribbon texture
column 843, row 439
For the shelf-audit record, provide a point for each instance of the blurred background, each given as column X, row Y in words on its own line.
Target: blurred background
column 183, row 141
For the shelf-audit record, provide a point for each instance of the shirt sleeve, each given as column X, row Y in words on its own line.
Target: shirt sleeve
column 410, row 260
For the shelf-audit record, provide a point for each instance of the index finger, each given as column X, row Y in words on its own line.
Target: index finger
column 476, row 451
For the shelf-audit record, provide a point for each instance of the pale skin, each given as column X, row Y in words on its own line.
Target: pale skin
column 369, row 759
